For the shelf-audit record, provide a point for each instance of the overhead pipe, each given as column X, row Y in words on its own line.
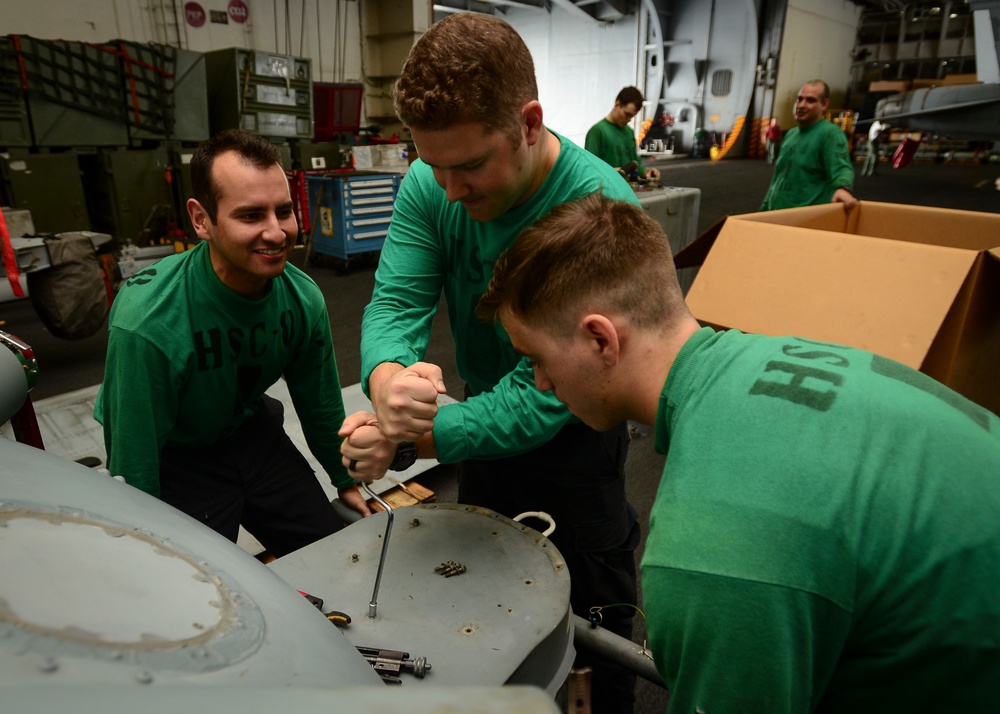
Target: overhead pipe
column 515, row 3
column 572, row 8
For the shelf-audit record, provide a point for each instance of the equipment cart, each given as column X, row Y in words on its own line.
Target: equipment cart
column 350, row 214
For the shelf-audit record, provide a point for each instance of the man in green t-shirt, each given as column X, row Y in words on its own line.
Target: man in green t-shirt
column 488, row 167
column 197, row 338
column 612, row 139
column 814, row 162
column 825, row 536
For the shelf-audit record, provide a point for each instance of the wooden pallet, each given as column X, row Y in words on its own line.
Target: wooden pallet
column 409, row 494
column 403, row 494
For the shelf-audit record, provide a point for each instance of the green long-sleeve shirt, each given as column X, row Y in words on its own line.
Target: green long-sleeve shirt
column 188, row 360
column 614, row 144
column 826, row 534
column 812, row 164
column 434, row 246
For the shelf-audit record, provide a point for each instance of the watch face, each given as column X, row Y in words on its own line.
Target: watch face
column 406, row 455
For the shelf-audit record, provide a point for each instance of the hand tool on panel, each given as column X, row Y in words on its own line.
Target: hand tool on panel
column 389, row 663
column 373, row 605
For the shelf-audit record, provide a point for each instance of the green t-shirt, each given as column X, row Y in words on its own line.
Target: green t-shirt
column 812, row 164
column 188, row 360
column 826, row 535
column 614, row 144
column 433, row 247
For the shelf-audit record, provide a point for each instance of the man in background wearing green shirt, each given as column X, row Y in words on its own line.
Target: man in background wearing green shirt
column 814, row 163
column 613, row 140
column 825, row 535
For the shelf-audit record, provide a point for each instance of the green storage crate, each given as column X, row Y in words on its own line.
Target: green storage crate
column 321, row 155
column 266, row 93
column 73, row 90
column 48, row 185
column 129, row 194
column 165, row 92
column 14, row 128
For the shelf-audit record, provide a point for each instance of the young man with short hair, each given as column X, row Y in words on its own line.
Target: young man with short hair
column 489, row 167
column 825, row 536
column 197, row 338
column 613, row 140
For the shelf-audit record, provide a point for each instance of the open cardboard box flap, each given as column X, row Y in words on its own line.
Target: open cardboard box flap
column 915, row 284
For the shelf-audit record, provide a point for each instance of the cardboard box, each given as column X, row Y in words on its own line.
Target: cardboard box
column 18, row 222
column 918, row 285
column 952, row 79
column 889, row 85
column 394, row 158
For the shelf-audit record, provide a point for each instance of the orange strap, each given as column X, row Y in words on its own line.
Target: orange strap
column 9, row 259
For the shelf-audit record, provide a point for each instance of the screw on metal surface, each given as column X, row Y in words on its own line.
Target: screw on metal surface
column 444, row 566
column 373, row 605
column 48, row 665
column 457, row 570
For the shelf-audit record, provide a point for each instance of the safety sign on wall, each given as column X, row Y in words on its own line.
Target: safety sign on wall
column 195, row 15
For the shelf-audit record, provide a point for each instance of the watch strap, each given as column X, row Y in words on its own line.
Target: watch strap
column 406, row 456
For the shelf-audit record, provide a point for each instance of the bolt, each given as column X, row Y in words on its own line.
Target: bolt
column 354, row 558
column 48, row 665
column 416, row 522
column 421, row 667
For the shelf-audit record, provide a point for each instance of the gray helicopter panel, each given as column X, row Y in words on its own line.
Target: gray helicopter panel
column 965, row 111
column 104, row 583
column 504, row 619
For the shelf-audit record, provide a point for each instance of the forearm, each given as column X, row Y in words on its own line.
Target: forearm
column 397, row 322
column 378, row 379
column 638, row 160
column 137, row 407
column 841, row 168
column 313, row 383
column 426, row 448
column 497, row 424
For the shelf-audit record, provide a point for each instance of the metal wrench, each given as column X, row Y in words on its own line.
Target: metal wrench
column 373, row 605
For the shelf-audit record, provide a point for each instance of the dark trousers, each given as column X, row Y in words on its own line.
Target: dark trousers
column 871, row 160
column 254, row 477
column 579, row 479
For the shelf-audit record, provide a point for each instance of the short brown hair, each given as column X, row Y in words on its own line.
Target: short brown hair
column 629, row 95
column 253, row 148
column 467, row 68
column 594, row 253
column 825, row 94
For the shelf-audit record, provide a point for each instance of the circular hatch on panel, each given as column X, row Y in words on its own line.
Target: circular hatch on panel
column 78, row 584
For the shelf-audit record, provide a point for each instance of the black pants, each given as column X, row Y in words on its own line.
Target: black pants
column 579, row 479
column 254, row 477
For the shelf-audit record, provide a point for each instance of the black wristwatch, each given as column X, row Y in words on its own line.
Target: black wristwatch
column 406, row 456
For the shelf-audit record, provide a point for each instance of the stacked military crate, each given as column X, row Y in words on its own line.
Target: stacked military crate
column 98, row 136
column 262, row 92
